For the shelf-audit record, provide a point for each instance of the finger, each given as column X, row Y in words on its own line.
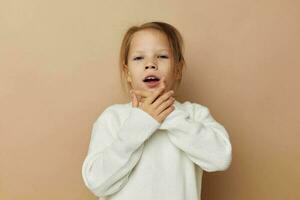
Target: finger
column 166, row 112
column 155, row 94
column 163, row 84
column 142, row 99
column 166, row 96
column 164, row 105
column 134, row 99
column 136, row 102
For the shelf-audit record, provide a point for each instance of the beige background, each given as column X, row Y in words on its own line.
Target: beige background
column 58, row 71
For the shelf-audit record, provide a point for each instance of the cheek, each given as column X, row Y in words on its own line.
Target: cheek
column 135, row 72
column 137, row 78
column 170, row 80
column 169, row 74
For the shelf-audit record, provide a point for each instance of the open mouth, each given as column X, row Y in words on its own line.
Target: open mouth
column 151, row 81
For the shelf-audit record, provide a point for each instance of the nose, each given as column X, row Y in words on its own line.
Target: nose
column 151, row 66
column 151, row 62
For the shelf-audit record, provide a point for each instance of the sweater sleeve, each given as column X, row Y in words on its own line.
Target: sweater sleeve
column 110, row 159
column 204, row 140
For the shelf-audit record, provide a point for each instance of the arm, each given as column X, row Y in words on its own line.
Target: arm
column 203, row 139
column 110, row 159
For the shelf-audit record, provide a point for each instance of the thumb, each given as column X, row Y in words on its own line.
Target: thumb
column 135, row 102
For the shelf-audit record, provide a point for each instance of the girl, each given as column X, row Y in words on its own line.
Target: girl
column 154, row 147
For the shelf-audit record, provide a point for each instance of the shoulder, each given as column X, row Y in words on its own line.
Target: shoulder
column 111, row 118
column 113, row 113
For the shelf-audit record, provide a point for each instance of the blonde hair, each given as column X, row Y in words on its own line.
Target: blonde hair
column 175, row 41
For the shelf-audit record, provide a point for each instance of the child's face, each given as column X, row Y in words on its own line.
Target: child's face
column 150, row 54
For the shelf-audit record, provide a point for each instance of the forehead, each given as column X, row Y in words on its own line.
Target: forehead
column 149, row 39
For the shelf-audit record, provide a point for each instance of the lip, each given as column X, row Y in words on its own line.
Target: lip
column 152, row 75
column 152, row 84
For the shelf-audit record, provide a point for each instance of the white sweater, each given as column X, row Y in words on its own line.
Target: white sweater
column 132, row 156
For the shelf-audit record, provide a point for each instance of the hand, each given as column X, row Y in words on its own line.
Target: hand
column 157, row 105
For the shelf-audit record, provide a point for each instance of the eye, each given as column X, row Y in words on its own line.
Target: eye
column 137, row 58
column 163, row 56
